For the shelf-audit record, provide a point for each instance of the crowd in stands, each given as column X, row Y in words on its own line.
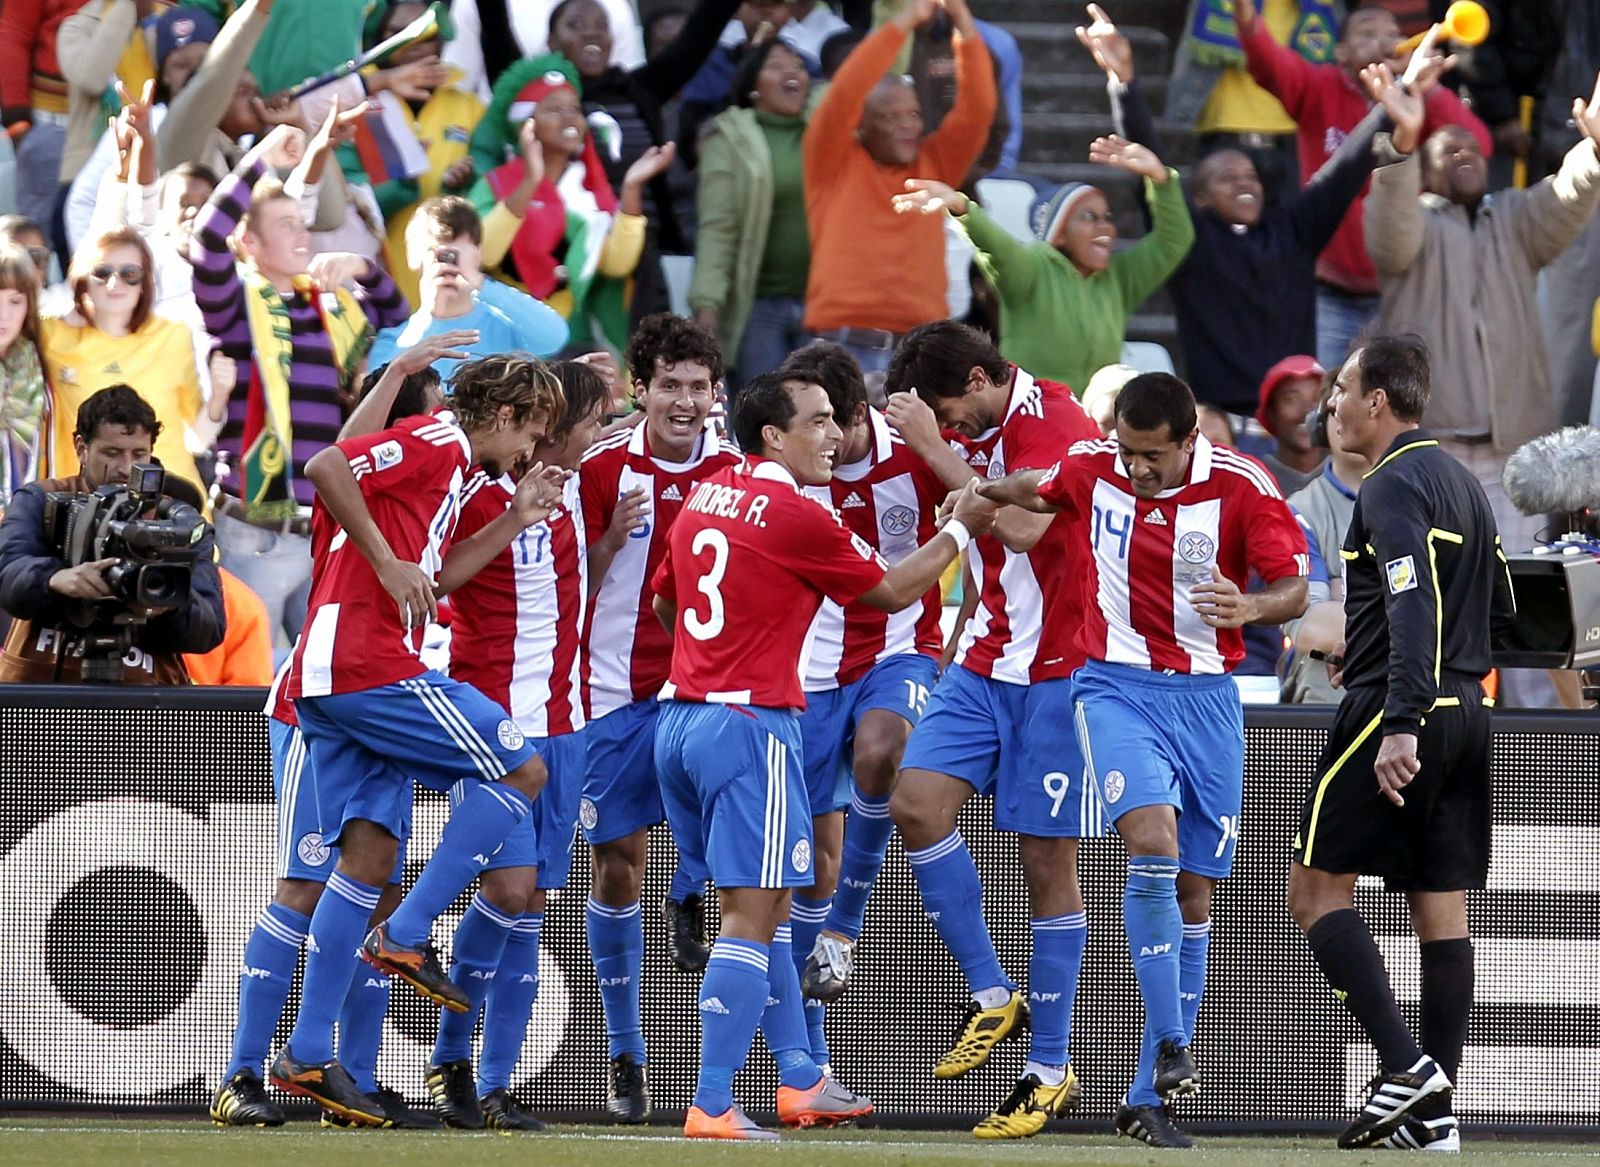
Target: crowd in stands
column 202, row 202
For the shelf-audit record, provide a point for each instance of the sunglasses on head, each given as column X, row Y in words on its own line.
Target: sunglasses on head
column 129, row 273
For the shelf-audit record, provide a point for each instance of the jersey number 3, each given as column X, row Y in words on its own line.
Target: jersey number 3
column 710, row 585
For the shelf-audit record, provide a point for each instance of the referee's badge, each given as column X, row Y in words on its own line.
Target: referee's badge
column 1402, row 574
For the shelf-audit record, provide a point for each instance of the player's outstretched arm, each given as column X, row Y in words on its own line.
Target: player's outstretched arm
column 407, row 584
column 909, row 580
column 372, row 413
column 1019, row 490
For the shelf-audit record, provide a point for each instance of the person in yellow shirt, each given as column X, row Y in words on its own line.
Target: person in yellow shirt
column 112, row 337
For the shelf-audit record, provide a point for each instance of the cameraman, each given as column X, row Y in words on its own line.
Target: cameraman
column 116, row 429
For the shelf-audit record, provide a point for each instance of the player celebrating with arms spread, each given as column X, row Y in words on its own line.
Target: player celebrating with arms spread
column 1174, row 525
column 728, row 740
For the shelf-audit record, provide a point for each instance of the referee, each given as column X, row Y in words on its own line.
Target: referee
column 1402, row 787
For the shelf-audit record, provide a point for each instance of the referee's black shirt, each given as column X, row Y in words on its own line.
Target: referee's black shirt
column 1424, row 576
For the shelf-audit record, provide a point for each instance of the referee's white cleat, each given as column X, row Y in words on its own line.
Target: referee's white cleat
column 828, row 968
column 1394, row 1098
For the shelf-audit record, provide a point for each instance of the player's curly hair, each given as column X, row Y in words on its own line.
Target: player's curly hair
column 480, row 387
column 934, row 360
column 671, row 340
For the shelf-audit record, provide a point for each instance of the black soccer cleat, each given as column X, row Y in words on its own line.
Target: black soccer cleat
column 502, row 1112
column 1176, row 1074
column 455, row 1095
column 1431, row 1126
column 400, row 1114
column 686, row 932
column 242, row 1101
column 1394, row 1098
column 330, row 1086
column 627, row 1090
column 418, row 967
column 1151, row 1125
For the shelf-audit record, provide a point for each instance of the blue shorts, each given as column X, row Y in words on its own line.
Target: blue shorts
column 1012, row 742
column 301, row 852
column 544, row 838
column 621, row 793
column 901, row 684
column 732, row 784
column 369, row 745
column 1157, row 740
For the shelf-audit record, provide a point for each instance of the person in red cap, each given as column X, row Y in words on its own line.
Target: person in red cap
column 1289, row 393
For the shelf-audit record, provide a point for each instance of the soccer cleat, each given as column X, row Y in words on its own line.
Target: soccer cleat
column 329, row 1085
column 502, row 1112
column 242, row 1101
column 1427, row 1128
column 980, row 1031
column 1395, row 1097
column 399, row 1113
column 1152, row 1125
column 418, row 967
column 828, row 968
column 823, row 1105
column 732, row 1123
column 455, row 1095
column 1030, row 1105
column 627, row 1090
column 686, row 932
column 1176, row 1074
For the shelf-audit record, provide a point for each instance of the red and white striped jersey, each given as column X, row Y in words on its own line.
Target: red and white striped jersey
column 890, row 499
column 279, row 707
column 1146, row 554
column 411, row 477
column 1008, row 637
column 519, row 622
column 628, row 652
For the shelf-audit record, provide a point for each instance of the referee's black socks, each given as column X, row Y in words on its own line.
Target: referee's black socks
column 1447, row 982
column 1350, row 959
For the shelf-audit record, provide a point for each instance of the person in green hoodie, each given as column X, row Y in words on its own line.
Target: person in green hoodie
column 753, row 250
column 1065, row 299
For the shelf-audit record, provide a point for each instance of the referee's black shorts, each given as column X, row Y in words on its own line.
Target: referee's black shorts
column 1438, row 841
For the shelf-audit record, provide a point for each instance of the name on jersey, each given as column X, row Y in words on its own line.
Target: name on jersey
column 727, row 502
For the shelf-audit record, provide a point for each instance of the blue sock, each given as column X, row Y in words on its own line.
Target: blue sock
column 1155, row 933
column 337, row 928
column 733, row 995
column 1058, row 943
column 510, row 1004
column 684, row 884
column 366, row 1003
column 1191, row 986
column 616, row 943
column 269, row 959
column 866, row 837
column 474, row 962
column 953, row 898
column 783, row 1022
column 476, row 828
column 806, row 918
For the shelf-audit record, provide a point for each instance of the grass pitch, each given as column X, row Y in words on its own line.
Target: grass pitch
column 121, row 1143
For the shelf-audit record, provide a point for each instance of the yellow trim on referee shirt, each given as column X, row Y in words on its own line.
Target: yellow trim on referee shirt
column 1397, row 453
column 1349, row 556
column 1322, row 787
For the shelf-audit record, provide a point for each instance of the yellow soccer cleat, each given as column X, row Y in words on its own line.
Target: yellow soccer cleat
column 981, row 1030
column 1030, row 1106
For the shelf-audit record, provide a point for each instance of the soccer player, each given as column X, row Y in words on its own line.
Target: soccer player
column 374, row 716
column 1402, row 786
column 515, row 637
column 999, row 723
column 1173, row 525
column 633, row 486
column 868, row 676
column 728, row 740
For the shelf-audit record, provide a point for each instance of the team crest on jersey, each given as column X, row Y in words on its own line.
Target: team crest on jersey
column 997, row 468
column 898, row 520
column 387, row 454
column 510, row 736
column 1114, row 785
column 588, row 815
column 1197, row 548
column 1402, row 574
column 312, row 850
column 800, row 857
